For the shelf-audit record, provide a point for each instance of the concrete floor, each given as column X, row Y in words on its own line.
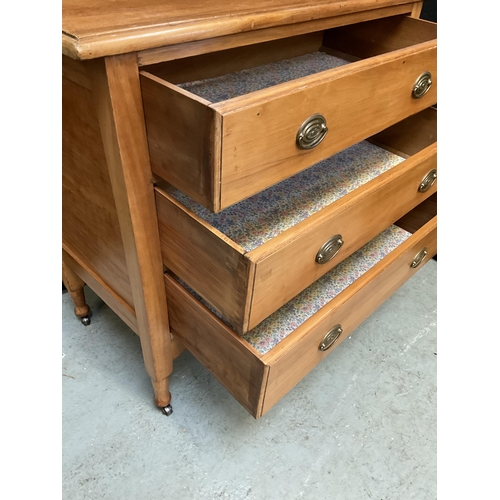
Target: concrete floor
column 362, row 425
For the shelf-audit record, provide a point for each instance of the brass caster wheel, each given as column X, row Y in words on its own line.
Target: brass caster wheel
column 167, row 410
column 85, row 320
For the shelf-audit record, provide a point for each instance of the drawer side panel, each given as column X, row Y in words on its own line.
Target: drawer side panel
column 236, row 365
column 207, row 261
column 184, row 139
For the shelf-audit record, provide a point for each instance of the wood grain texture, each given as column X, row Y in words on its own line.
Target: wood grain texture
column 380, row 36
column 420, row 215
column 293, row 358
column 218, row 43
column 119, row 105
column 360, row 109
column 417, row 9
column 121, row 308
column 358, row 217
column 75, row 286
column 182, row 137
column 177, row 347
column 93, row 28
column 90, row 227
column 228, row 61
column 257, row 381
column 76, row 71
column 213, row 265
column 411, row 135
column 229, row 358
column 369, row 95
column 246, row 287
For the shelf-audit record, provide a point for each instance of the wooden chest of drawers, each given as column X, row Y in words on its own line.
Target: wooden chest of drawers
column 249, row 185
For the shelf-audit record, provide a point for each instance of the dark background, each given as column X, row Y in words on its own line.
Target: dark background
column 429, row 10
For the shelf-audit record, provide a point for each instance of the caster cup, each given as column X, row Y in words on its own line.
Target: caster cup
column 167, row 410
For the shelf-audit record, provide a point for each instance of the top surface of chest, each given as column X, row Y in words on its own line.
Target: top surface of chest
column 95, row 28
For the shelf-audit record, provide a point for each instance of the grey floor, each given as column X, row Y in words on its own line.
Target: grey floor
column 362, row 425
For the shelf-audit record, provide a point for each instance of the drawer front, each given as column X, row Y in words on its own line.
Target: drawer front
column 259, row 140
column 259, row 381
column 219, row 153
column 290, row 363
column 357, row 218
column 246, row 287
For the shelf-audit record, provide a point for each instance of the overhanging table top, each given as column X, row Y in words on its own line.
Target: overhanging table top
column 96, row 28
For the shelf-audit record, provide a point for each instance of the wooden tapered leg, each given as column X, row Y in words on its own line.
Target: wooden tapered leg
column 118, row 101
column 162, row 395
column 74, row 284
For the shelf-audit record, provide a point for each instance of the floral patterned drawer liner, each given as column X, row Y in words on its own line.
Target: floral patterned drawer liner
column 252, row 222
column 249, row 80
column 289, row 317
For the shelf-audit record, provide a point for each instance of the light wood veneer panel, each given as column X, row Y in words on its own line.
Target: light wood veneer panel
column 118, row 102
column 221, row 43
column 183, row 138
column 205, row 259
column 230, row 359
column 93, row 28
column 357, row 100
column 90, row 226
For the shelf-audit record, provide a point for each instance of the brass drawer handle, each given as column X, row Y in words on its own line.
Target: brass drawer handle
column 329, row 249
column 428, row 181
column 330, row 338
column 422, row 85
column 311, row 132
column 419, row 258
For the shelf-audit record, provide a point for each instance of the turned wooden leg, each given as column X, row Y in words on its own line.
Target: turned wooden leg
column 162, row 396
column 74, row 284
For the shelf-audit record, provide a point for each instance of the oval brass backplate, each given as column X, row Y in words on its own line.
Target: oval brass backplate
column 330, row 338
column 311, row 132
column 329, row 249
column 428, row 181
column 422, row 85
column 419, row 258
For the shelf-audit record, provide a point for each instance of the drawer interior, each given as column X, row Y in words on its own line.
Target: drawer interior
column 231, row 73
column 262, row 217
column 420, row 215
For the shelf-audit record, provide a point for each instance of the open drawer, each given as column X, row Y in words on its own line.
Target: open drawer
column 250, row 259
column 226, row 125
column 263, row 365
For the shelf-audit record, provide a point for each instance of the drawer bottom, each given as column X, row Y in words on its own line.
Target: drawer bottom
column 263, row 365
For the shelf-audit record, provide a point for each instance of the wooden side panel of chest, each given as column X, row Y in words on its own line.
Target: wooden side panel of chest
column 91, row 232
